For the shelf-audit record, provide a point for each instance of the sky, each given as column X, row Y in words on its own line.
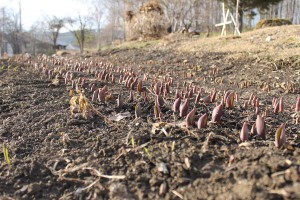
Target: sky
column 36, row 10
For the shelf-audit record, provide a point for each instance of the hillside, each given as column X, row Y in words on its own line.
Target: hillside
column 63, row 38
column 249, row 57
column 66, row 38
column 275, row 43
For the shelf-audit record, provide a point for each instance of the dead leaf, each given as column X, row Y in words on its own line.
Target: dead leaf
column 55, row 82
column 289, row 146
column 245, row 144
column 119, row 116
column 163, row 126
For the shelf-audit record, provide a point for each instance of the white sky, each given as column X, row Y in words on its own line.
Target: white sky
column 35, row 10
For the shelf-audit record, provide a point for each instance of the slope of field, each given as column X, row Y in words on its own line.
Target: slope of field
column 113, row 154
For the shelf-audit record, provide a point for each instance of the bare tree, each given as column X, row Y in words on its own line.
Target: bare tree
column 79, row 27
column 12, row 31
column 115, row 18
column 54, row 25
column 174, row 13
column 200, row 15
column 97, row 15
column 183, row 14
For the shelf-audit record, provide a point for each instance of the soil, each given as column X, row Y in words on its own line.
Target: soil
column 56, row 155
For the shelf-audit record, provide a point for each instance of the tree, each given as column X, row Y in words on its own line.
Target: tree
column 12, row 31
column 199, row 15
column 181, row 14
column 247, row 5
column 79, row 27
column 115, row 18
column 54, row 25
column 97, row 16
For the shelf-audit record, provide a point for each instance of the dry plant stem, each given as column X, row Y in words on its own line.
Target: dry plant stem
column 280, row 173
column 61, row 173
column 85, row 188
column 127, row 137
column 150, row 91
column 167, row 103
column 182, row 128
column 140, row 147
column 282, row 192
column 62, row 178
column 191, row 133
column 104, row 117
column 177, row 194
column 131, row 122
column 136, row 148
column 97, row 173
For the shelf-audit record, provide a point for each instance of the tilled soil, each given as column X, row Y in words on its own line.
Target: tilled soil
column 55, row 155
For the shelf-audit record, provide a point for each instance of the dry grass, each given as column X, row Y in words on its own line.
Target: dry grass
column 66, row 52
column 285, row 43
column 283, row 47
column 132, row 45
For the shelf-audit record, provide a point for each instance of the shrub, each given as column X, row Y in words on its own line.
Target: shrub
column 272, row 22
column 147, row 23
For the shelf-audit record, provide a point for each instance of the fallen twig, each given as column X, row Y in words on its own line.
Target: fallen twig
column 104, row 117
column 150, row 91
column 280, row 173
column 282, row 192
column 85, row 188
column 177, row 194
column 63, row 172
column 179, row 125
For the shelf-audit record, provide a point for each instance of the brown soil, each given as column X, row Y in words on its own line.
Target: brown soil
column 127, row 159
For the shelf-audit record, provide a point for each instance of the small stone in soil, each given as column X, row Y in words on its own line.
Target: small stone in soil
column 161, row 167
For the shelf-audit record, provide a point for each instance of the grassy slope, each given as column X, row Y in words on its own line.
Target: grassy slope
column 285, row 44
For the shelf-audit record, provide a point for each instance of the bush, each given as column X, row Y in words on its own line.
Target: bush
column 272, row 22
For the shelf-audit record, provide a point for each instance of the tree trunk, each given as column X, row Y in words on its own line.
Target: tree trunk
column 241, row 16
column 196, row 7
column 280, row 10
column 293, row 10
column 55, row 36
column 207, row 14
column 82, row 40
column 54, row 45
